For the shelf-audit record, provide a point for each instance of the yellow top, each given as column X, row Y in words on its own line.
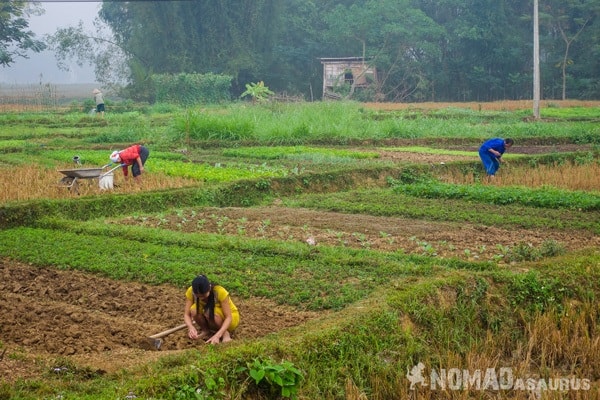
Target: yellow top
column 221, row 294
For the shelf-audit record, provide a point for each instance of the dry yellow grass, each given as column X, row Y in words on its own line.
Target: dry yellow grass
column 560, row 349
column 568, row 176
column 30, row 182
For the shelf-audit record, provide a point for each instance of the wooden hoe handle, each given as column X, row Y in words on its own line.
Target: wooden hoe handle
column 168, row 331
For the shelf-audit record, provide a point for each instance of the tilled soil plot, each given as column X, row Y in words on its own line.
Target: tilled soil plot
column 319, row 228
column 48, row 313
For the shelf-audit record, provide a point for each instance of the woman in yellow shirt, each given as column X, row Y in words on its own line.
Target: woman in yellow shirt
column 219, row 316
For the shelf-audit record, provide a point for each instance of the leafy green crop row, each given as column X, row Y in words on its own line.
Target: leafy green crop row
column 395, row 203
column 217, row 173
column 276, row 152
column 288, row 273
column 543, row 198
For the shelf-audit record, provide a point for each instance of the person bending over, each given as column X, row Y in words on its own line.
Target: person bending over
column 491, row 152
column 134, row 156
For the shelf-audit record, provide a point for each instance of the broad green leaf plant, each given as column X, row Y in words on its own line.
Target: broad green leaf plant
column 258, row 91
column 285, row 376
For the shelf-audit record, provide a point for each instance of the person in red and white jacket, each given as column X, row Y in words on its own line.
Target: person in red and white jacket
column 134, row 156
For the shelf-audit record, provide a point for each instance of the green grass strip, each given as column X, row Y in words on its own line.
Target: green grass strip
column 218, row 172
column 277, row 152
column 430, row 150
column 12, row 145
column 387, row 202
column 293, row 274
column 546, row 197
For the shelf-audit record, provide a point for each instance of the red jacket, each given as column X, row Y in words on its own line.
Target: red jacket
column 129, row 156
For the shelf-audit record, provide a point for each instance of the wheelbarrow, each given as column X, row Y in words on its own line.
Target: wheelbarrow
column 72, row 177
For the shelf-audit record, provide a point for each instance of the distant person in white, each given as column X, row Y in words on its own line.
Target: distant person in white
column 99, row 102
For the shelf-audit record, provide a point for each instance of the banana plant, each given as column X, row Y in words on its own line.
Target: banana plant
column 258, row 91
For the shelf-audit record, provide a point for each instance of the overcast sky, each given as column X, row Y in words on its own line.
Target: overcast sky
column 42, row 67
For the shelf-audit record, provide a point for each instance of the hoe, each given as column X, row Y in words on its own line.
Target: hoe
column 156, row 340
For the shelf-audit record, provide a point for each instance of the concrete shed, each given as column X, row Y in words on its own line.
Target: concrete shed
column 340, row 71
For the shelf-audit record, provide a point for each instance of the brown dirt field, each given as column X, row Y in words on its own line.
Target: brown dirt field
column 100, row 323
column 49, row 315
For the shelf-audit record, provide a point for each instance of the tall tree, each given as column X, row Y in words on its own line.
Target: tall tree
column 483, row 50
column 566, row 20
column 294, row 66
column 15, row 39
column 96, row 48
column 397, row 38
column 234, row 37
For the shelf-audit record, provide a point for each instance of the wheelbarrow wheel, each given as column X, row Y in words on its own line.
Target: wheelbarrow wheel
column 70, row 183
column 67, row 181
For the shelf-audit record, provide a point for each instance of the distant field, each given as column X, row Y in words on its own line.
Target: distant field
column 66, row 90
column 36, row 97
column 33, row 97
column 503, row 105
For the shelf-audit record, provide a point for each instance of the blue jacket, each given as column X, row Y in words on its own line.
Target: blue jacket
column 495, row 143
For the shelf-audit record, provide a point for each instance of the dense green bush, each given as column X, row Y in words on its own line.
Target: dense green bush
column 189, row 89
column 201, row 126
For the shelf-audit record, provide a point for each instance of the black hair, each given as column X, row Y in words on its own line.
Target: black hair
column 201, row 285
column 509, row 141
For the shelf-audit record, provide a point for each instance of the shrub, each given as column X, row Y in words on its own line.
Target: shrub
column 198, row 126
column 189, row 89
column 535, row 293
column 272, row 378
column 258, row 92
column 551, row 248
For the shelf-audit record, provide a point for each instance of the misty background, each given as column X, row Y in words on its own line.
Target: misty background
column 421, row 50
column 41, row 67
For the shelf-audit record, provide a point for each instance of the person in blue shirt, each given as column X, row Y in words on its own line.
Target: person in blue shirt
column 491, row 152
